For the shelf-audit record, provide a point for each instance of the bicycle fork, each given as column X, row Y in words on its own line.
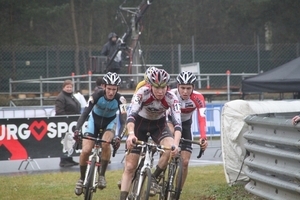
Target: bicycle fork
column 97, row 166
column 147, row 164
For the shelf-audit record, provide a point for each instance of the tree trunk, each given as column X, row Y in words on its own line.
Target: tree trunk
column 76, row 55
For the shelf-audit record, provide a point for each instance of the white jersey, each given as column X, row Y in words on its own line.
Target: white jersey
column 145, row 105
column 196, row 102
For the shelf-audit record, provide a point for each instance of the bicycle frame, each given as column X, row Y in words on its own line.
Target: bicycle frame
column 90, row 181
column 96, row 154
column 172, row 183
column 145, row 164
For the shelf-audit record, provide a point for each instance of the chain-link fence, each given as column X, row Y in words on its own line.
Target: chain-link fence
column 33, row 62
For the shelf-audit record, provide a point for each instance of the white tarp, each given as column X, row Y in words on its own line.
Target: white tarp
column 233, row 127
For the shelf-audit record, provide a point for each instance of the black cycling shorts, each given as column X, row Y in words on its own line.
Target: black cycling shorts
column 145, row 128
column 186, row 134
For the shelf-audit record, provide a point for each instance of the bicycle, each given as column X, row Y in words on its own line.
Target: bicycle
column 90, row 182
column 141, row 181
column 171, row 186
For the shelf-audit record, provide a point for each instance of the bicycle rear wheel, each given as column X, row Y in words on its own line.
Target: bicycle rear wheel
column 174, row 186
column 89, row 190
column 145, row 187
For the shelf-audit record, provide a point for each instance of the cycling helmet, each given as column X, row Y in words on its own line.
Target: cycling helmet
column 112, row 79
column 148, row 71
column 159, row 78
column 186, row 78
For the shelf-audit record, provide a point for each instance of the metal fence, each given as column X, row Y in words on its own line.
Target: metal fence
column 43, row 91
column 273, row 163
column 32, row 62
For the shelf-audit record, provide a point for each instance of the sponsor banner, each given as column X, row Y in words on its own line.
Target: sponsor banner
column 21, row 138
column 213, row 121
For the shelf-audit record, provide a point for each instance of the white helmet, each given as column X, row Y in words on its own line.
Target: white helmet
column 148, row 71
column 186, row 78
column 112, row 79
column 159, row 78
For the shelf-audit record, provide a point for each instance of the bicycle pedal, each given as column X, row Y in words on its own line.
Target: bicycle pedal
column 130, row 197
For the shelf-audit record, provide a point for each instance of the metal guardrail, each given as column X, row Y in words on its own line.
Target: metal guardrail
column 86, row 82
column 273, row 163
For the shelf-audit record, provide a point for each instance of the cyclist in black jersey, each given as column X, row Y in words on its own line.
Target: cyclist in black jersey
column 101, row 109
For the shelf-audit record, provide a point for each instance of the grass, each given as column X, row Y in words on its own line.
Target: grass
column 205, row 183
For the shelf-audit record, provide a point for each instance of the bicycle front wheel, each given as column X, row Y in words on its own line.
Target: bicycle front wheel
column 174, row 186
column 133, row 189
column 145, row 187
column 89, row 190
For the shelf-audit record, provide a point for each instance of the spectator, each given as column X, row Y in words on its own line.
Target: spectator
column 67, row 104
column 109, row 50
column 81, row 100
column 99, row 84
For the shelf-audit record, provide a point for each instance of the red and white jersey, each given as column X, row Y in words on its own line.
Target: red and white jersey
column 195, row 102
column 144, row 104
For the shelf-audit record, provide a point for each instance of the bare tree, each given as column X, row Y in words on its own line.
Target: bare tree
column 76, row 54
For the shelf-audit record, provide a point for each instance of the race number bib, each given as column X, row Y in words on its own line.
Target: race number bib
column 123, row 108
column 176, row 108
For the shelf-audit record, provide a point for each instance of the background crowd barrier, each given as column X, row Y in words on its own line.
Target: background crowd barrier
column 43, row 91
column 23, row 138
column 38, row 132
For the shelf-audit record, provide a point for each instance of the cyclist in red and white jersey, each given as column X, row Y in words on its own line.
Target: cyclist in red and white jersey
column 190, row 101
column 148, row 114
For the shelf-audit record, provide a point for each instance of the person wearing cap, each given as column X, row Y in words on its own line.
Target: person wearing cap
column 109, row 49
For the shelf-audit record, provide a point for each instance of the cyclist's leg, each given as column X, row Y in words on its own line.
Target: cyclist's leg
column 131, row 160
column 130, row 165
column 161, row 135
column 186, row 149
column 163, row 160
column 105, row 156
column 185, row 156
column 87, row 146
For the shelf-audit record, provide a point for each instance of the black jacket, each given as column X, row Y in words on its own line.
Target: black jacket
column 66, row 104
column 109, row 49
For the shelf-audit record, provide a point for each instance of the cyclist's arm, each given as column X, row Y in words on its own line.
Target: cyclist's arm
column 201, row 115
column 175, row 112
column 122, row 116
column 87, row 109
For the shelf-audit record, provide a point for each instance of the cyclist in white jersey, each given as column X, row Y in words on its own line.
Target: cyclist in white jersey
column 190, row 101
column 148, row 114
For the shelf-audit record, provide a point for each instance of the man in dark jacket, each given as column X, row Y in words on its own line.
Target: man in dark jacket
column 108, row 50
column 67, row 104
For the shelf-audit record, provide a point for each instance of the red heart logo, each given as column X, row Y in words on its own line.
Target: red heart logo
column 38, row 129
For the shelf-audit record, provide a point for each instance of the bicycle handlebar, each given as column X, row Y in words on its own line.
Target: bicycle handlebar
column 157, row 146
column 201, row 152
column 95, row 139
